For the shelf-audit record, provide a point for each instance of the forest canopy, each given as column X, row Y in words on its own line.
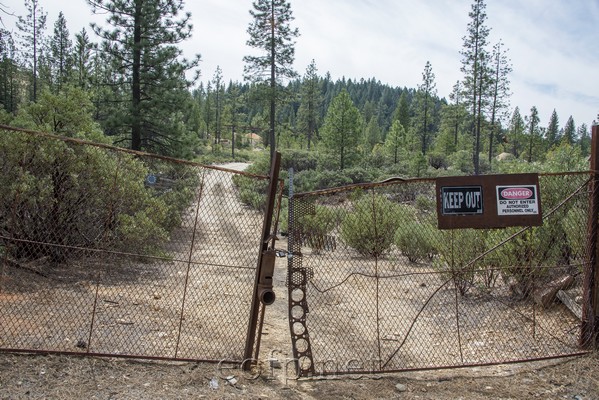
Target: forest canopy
column 144, row 95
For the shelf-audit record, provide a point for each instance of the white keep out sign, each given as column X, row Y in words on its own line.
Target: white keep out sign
column 516, row 200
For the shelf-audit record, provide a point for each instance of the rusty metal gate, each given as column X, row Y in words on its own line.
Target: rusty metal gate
column 374, row 286
column 110, row 252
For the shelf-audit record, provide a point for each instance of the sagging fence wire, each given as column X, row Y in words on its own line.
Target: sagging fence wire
column 374, row 282
column 109, row 251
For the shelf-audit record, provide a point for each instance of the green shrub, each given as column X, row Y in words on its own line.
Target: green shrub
column 575, row 227
column 314, row 227
column 252, row 192
column 57, row 196
column 458, row 248
column 437, row 160
column 370, row 227
column 310, row 180
column 299, row 160
column 415, row 240
column 532, row 255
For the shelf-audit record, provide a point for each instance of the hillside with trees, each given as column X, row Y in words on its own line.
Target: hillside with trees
column 146, row 96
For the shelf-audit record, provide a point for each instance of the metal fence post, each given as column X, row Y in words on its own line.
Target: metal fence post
column 252, row 339
column 589, row 331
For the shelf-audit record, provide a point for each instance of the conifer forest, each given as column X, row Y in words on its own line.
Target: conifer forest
column 126, row 83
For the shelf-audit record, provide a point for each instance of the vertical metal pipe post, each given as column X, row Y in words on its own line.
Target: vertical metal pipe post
column 265, row 239
column 589, row 330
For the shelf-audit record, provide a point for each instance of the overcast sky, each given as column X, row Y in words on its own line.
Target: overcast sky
column 553, row 44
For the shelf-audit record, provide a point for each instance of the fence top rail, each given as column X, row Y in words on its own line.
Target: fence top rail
column 104, row 146
column 404, row 181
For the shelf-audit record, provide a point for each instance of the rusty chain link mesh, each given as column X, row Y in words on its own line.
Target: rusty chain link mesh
column 375, row 286
column 104, row 251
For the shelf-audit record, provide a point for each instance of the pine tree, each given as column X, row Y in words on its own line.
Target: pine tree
column 208, row 111
column 342, row 129
column 270, row 32
column 569, row 135
column 425, row 103
column 552, row 134
column 83, row 58
column 372, row 134
column 219, row 94
column 61, row 57
column 233, row 113
column 516, row 131
column 475, row 66
column 500, row 85
column 311, row 101
column 459, row 112
column 402, row 112
column 9, row 73
column 143, row 46
column 395, row 140
column 533, row 134
column 31, row 34
column 584, row 140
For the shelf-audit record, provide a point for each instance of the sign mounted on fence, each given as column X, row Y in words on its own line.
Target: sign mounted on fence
column 517, row 200
column 488, row 201
column 461, row 200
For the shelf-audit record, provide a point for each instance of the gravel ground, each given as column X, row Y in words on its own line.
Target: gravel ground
column 25, row 376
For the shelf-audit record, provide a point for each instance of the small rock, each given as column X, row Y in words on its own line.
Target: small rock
column 157, row 296
column 213, row 383
column 231, row 380
column 401, row 387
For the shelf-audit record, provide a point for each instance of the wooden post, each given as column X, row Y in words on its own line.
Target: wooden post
column 589, row 330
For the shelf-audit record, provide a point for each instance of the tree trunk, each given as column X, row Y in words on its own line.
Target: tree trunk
column 136, row 81
column 273, row 85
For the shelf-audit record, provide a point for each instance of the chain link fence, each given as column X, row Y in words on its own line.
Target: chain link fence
column 110, row 252
column 375, row 286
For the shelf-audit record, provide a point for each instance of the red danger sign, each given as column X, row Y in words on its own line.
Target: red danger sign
column 517, row 193
column 517, row 200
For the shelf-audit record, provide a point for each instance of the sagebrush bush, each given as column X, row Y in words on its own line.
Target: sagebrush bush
column 315, row 226
column 458, row 248
column 415, row 240
column 57, row 196
column 370, row 227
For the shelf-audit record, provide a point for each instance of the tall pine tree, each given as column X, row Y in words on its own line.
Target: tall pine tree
column 219, row 100
column 516, row 132
column 82, row 59
column 342, row 130
column 500, row 91
column 61, row 56
column 426, row 102
column 534, row 136
column 271, row 33
column 569, row 135
column 32, row 28
column 310, row 103
column 475, row 66
column 143, row 46
column 552, row 135
column 9, row 73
